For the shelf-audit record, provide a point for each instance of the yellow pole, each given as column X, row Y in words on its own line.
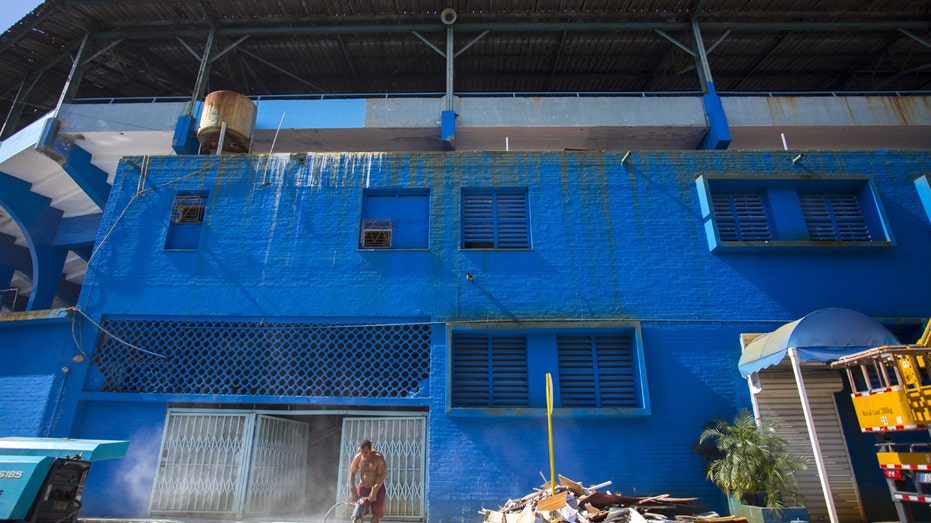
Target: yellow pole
column 549, row 421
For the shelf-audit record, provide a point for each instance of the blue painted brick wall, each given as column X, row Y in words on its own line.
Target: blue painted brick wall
column 35, row 362
column 25, row 401
column 121, row 487
column 611, row 241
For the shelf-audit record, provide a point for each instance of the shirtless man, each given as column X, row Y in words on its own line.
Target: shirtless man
column 372, row 469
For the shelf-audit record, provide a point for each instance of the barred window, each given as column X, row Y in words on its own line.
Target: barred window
column 189, row 208
column 186, row 220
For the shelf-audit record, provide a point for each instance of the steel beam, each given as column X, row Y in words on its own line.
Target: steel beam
column 914, row 37
column 200, row 85
column 450, row 55
column 74, row 76
column 12, row 112
column 701, row 58
column 295, row 27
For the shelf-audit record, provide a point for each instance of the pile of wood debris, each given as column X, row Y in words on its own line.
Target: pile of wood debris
column 570, row 502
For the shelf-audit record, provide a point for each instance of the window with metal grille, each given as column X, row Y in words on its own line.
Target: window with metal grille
column 597, row 370
column 186, row 221
column 376, row 234
column 489, row 371
column 395, row 219
column 495, row 219
column 740, row 216
column 834, row 217
column 328, row 362
column 790, row 213
column 189, row 208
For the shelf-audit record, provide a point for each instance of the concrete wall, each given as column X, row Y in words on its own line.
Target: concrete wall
column 611, row 240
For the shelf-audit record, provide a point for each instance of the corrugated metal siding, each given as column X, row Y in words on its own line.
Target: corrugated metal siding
column 779, row 403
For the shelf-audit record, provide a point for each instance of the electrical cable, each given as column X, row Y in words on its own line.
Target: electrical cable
column 115, row 337
column 138, row 193
column 77, row 343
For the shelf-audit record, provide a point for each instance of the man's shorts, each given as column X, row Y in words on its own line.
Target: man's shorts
column 376, row 508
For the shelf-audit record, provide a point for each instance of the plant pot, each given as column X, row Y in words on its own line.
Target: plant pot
column 766, row 515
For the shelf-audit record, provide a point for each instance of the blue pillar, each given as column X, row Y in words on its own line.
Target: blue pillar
column 184, row 140
column 718, row 136
column 448, row 130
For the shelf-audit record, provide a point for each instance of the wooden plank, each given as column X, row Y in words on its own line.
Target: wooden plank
column 574, row 487
column 554, row 502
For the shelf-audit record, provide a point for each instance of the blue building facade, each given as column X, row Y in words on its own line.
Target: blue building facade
column 356, row 293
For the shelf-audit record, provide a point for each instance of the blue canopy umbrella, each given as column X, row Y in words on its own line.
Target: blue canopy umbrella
column 823, row 335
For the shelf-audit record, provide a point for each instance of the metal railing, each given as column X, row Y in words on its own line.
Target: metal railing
column 12, row 304
column 506, row 94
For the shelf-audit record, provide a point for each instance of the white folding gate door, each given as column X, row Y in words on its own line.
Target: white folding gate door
column 402, row 441
column 230, row 463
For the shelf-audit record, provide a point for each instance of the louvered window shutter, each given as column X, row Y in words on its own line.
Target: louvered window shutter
column 597, row 371
column 740, row 216
column 834, row 217
column 489, row 371
column 495, row 220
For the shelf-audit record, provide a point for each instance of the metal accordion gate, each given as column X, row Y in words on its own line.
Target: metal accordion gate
column 230, row 463
column 402, row 441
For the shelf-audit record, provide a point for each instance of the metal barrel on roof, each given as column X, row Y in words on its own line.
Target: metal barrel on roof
column 226, row 123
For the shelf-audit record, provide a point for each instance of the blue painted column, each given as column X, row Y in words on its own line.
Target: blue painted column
column 448, row 130
column 184, row 141
column 39, row 223
column 718, row 136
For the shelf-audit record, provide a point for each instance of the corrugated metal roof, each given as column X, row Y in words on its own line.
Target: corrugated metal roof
column 153, row 48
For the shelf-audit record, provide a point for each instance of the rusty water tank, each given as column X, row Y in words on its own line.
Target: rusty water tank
column 234, row 109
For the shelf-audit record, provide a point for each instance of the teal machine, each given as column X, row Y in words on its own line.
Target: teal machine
column 42, row 479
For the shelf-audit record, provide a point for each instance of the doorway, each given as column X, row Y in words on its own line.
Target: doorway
column 240, row 464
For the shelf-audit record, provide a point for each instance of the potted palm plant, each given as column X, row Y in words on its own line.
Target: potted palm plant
column 750, row 463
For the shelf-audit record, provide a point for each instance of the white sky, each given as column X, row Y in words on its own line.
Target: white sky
column 14, row 10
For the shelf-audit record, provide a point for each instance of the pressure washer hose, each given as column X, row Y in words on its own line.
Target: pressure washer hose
column 334, row 506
